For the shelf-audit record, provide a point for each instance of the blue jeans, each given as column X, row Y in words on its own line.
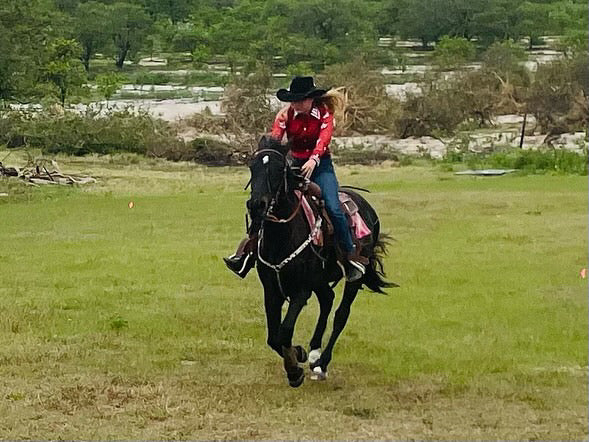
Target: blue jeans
column 324, row 176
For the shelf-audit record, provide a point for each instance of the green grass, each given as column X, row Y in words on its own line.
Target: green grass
column 123, row 323
column 554, row 161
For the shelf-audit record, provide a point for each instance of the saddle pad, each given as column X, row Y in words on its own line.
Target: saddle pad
column 350, row 208
column 310, row 215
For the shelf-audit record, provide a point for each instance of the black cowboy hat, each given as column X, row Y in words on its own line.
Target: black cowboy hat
column 300, row 88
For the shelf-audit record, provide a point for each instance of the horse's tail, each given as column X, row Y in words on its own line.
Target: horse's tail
column 374, row 276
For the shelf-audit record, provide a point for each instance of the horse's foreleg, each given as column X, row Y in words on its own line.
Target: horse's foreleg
column 339, row 322
column 292, row 355
column 325, row 297
column 273, row 307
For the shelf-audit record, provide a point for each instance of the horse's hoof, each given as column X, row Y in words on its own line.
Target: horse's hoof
column 314, row 355
column 301, row 354
column 296, row 378
column 318, row 374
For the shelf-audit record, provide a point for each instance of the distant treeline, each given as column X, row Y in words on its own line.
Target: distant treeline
column 50, row 43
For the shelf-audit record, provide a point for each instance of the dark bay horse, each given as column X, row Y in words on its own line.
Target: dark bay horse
column 290, row 267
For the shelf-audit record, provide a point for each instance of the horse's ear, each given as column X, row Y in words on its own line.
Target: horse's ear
column 284, row 148
column 267, row 141
column 264, row 142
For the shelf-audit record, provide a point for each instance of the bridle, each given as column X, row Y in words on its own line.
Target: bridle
column 268, row 216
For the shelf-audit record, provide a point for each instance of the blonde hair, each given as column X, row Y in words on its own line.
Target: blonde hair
column 336, row 100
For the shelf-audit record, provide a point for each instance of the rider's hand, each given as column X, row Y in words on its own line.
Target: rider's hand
column 308, row 168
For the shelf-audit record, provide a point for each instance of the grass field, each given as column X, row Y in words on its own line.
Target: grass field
column 123, row 323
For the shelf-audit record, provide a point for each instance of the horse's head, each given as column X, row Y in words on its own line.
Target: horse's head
column 271, row 177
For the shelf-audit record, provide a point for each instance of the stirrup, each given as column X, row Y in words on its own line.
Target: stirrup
column 240, row 265
column 356, row 270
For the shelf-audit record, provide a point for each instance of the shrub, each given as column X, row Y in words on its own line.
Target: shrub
column 213, row 153
column 504, row 59
column 158, row 78
column 467, row 99
column 362, row 155
column 369, row 109
column 534, row 161
column 73, row 133
column 205, row 79
column 557, row 97
column 108, row 84
column 248, row 113
column 439, row 110
column 528, row 161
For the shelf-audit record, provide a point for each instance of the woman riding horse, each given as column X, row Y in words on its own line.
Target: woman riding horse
column 308, row 124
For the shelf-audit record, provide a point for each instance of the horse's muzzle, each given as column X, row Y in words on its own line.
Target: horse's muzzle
column 258, row 207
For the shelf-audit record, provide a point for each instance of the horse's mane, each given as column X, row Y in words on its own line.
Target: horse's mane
column 269, row 142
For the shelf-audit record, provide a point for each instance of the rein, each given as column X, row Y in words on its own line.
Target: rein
column 269, row 216
column 272, row 218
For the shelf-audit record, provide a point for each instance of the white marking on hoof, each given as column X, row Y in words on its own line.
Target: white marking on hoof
column 318, row 374
column 314, row 355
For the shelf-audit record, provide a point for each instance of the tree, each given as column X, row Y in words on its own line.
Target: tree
column 567, row 16
column 415, row 22
column 386, row 16
column 461, row 16
column 176, row 10
column 10, row 66
column 451, row 52
column 189, row 36
column 129, row 26
column 312, row 31
column 108, row 84
column 572, row 18
column 67, row 6
column 343, row 23
column 91, row 30
column 535, row 20
column 64, row 68
column 233, row 33
column 574, row 42
column 497, row 21
column 299, row 69
column 26, row 28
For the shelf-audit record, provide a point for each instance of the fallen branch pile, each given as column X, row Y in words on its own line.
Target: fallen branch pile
column 37, row 172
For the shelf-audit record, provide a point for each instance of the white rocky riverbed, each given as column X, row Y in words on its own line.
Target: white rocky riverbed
column 474, row 142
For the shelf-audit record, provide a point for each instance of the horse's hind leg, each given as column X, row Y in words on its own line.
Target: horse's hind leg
column 325, row 297
column 342, row 313
column 292, row 355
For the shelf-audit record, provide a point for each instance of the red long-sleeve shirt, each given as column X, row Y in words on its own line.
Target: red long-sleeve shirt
column 309, row 134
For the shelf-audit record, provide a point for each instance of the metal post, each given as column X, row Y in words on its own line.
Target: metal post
column 521, row 140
